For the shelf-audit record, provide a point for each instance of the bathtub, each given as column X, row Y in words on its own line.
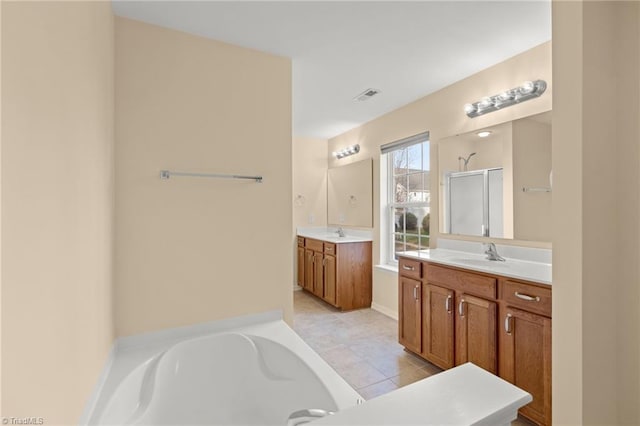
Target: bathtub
column 255, row 370
column 252, row 375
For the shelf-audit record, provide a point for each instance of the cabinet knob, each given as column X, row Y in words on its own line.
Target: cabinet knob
column 461, row 308
column 415, row 292
column 447, row 304
column 408, row 268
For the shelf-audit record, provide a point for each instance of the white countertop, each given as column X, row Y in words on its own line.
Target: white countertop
column 513, row 268
column 330, row 235
column 464, row 395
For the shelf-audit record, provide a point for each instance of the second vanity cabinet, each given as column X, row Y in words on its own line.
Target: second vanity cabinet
column 451, row 316
column 338, row 273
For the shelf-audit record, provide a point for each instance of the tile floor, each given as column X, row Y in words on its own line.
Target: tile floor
column 362, row 346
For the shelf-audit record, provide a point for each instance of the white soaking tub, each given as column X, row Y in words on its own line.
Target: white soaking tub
column 255, row 370
column 253, row 375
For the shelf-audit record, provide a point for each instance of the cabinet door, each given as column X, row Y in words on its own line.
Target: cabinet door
column 318, row 274
column 301, row 262
column 330, row 279
column 525, row 359
column 308, row 270
column 476, row 338
column 409, row 308
column 437, row 314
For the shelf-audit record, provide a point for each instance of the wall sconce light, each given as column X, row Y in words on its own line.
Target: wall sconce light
column 528, row 90
column 345, row 152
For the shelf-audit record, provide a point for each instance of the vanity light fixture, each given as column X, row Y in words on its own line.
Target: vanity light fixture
column 484, row 133
column 528, row 90
column 345, row 152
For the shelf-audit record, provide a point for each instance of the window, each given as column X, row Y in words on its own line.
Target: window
column 408, row 195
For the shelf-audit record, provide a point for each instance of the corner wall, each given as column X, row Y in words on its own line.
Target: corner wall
column 309, row 181
column 190, row 250
column 596, row 206
column 57, row 205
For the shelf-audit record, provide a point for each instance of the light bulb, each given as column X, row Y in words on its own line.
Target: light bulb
column 469, row 108
column 505, row 96
column 485, row 102
column 527, row 87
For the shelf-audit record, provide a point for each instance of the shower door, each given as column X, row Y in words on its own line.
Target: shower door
column 473, row 202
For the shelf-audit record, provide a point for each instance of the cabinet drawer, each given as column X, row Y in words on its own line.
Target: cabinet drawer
column 410, row 268
column 467, row 282
column 301, row 241
column 527, row 297
column 314, row 245
column 330, row 248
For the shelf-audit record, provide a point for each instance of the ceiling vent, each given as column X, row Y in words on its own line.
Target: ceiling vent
column 366, row 95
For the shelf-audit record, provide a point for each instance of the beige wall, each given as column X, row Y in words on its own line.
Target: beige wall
column 442, row 114
column 531, row 167
column 57, row 205
column 310, row 182
column 190, row 250
column 1, row 410
column 596, row 163
column 349, row 195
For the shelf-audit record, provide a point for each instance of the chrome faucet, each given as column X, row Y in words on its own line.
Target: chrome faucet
column 492, row 252
column 340, row 231
column 306, row 416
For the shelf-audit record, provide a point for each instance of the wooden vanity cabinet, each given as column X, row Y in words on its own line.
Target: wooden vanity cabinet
column 455, row 325
column 318, row 274
column 525, row 345
column 410, row 315
column 451, row 316
column 307, row 284
column 339, row 274
column 459, row 318
column 476, row 334
column 438, row 331
column 329, row 265
column 301, row 262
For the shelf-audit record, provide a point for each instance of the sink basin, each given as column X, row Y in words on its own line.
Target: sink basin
column 479, row 262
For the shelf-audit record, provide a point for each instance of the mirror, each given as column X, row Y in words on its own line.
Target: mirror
column 350, row 194
column 498, row 185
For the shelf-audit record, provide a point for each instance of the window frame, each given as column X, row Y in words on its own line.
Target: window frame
column 392, row 205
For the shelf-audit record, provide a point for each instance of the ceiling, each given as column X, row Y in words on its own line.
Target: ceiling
column 338, row 49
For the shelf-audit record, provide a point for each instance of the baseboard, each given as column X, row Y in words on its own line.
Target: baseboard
column 90, row 406
column 385, row 311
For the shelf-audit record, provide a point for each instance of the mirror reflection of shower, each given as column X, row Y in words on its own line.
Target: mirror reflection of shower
column 466, row 161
